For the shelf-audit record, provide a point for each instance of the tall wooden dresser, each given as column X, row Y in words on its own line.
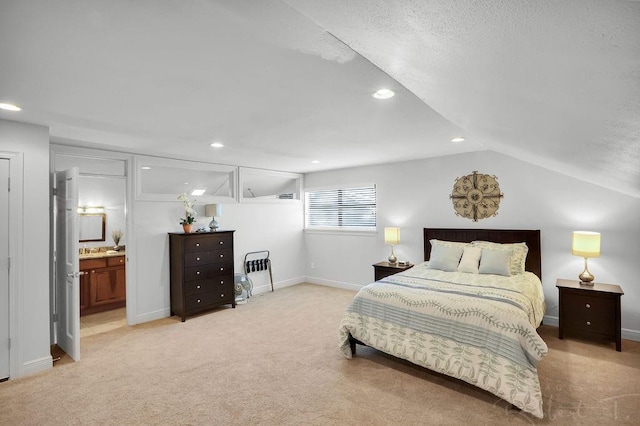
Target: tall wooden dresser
column 201, row 272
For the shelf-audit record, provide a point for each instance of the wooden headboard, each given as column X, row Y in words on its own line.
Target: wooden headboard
column 531, row 237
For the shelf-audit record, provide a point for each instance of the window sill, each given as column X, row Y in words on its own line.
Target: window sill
column 349, row 231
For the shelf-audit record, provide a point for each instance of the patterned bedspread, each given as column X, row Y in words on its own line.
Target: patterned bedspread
column 478, row 328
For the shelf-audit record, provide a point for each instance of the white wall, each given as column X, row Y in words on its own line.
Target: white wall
column 32, row 263
column 415, row 194
column 274, row 227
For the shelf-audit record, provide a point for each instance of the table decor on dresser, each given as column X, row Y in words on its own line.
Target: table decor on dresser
column 201, row 271
column 592, row 310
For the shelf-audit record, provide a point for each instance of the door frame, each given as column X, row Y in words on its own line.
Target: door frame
column 16, row 296
column 81, row 152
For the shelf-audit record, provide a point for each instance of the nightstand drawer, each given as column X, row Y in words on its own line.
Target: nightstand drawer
column 590, row 313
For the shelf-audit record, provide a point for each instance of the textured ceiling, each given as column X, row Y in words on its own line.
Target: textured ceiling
column 282, row 83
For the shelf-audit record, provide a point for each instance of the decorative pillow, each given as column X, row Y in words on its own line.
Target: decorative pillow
column 518, row 256
column 470, row 260
column 444, row 243
column 444, row 258
column 495, row 262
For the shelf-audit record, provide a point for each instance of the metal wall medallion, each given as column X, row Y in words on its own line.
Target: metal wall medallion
column 476, row 196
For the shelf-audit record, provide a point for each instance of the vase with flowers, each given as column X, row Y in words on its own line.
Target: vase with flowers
column 189, row 211
column 116, row 236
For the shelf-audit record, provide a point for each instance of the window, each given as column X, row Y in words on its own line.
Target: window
column 342, row 208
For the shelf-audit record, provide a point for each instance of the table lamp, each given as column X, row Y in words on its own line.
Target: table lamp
column 586, row 244
column 392, row 237
column 213, row 210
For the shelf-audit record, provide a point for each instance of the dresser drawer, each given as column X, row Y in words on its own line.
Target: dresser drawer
column 208, row 242
column 207, row 271
column 589, row 313
column 202, row 300
column 207, row 257
column 209, row 285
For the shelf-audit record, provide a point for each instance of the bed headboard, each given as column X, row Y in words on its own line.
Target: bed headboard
column 531, row 237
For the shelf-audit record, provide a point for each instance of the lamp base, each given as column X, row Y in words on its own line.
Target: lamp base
column 213, row 225
column 392, row 259
column 586, row 277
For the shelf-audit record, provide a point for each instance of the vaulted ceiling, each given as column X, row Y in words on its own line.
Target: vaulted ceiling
column 283, row 83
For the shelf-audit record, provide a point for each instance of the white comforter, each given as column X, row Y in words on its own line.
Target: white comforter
column 478, row 328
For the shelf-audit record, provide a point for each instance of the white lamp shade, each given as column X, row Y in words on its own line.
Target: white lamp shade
column 586, row 244
column 213, row 210
column 392, row 236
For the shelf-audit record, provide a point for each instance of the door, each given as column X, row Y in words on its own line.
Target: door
column 4, row 268
column 67, row 310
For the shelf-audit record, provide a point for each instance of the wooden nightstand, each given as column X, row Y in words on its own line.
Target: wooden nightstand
column 384, row 269
column 590, row 310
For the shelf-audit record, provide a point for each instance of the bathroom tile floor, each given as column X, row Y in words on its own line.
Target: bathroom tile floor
column 102, row 322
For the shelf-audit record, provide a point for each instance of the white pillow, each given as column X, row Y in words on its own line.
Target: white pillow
column 518, row 255
column 470, row 260
column 444, row 243
column 495, row 262
column 444, row 258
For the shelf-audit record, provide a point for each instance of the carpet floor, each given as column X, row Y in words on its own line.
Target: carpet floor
column 275, row 361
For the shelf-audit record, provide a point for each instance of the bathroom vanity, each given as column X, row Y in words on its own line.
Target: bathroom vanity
column 102, row 282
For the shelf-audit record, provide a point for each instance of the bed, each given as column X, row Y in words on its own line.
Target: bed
column 476, row 327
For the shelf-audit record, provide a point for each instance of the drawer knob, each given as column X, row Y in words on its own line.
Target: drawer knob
column 588, row 322
column 587, row 305
column 222, row 269
column 197, row 244
column 222, row 295
column 222, row 255
column 120, row 260
column 198, row 300
column 197, row 258
column 221, row 242
column 197, row 286
column 197, row 272
column 221, row 282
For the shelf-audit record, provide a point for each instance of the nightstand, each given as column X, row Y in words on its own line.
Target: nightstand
column 590, row 310
column 384, row 269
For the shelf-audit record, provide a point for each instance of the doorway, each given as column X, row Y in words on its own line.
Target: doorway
column 102, row 281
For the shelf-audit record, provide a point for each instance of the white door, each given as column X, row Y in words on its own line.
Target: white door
column 4, row 268
column 67, row 310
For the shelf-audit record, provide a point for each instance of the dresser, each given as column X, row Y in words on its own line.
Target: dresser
column 201, row 272
column 590, row 310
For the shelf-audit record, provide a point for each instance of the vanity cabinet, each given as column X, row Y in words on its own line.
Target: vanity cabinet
column 102, row 284
column 201, row 272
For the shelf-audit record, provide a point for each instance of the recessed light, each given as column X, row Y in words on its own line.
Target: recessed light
column 145, row 168
column 198, row 191
column 217, row 145
column 315, row 161
column 383, row 94
column 458, row 139
column 10, row 107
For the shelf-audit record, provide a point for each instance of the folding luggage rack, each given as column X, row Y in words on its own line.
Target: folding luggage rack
column 256, row 261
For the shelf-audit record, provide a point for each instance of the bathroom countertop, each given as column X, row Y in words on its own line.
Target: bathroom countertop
column 101, row 254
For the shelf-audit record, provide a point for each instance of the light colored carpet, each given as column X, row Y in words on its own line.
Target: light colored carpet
column 275, row 361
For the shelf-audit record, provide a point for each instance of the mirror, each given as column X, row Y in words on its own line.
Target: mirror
column 92, row 226
column 163, row 179
column 269, row 186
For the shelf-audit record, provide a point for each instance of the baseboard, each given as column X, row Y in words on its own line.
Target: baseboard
column 280, row 284
column 37, row 365
column 549, row 320
column 330, row 283
column 152, row 316
column 626, row 333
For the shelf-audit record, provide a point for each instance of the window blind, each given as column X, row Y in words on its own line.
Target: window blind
column 348, row 208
